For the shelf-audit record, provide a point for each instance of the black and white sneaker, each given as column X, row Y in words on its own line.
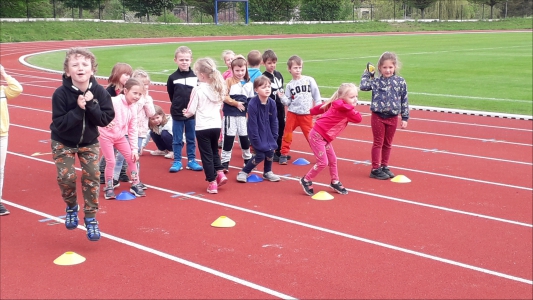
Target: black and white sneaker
column 307, row 186
column 387, row 171
column 3, row 210
column 378, row 174
column 339, row 188
column 137, row 190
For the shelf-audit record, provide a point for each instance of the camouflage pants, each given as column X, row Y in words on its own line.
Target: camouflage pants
column 64, row 158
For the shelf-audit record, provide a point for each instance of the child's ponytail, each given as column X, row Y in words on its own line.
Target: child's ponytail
column 208, row 67
column 339, row 94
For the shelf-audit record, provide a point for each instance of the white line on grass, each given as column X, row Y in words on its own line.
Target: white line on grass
column 286, row 220
column 163, row 254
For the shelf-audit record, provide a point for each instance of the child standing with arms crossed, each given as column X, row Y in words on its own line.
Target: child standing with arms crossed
column 300, row 96
column 79, row 106
column 114, row 136
column 12, row 90
column 120, row 73
column 179, row 87
column 145, row 109
column 276, row 80
column 335, row 115
column 240, row 90
column 262, row 130
column 389, row 99
column 206, row 100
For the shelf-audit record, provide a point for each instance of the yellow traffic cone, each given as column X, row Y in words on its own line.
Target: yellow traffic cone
column 322, row 195
column 400, row 179
column 223, row 222
column 69, row 258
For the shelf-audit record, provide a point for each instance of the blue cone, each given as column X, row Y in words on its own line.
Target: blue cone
column 301, row 162
column 125, row 196
column 254, row 178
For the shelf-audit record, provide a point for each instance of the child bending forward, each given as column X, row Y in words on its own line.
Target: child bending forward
column 336, row 113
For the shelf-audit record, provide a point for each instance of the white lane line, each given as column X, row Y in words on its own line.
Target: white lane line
column 471, row 124
column 318, row 228
column 453, row 136
column 163, row 254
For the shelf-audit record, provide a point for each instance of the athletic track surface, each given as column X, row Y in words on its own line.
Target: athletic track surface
column 461, row 229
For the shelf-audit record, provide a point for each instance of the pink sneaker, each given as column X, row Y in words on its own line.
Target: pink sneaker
column 221, row 179
column 212, row 188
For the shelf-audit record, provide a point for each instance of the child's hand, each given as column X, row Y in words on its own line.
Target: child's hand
column 110, row 125
column 89, row 96
column 135, row 157
column 371, row 69
column 81, row 102
column 240, row 106
column 186, row 114
column 404, row 124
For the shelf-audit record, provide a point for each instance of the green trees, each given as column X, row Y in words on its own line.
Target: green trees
column 147, row 8
column 271, row 10
column 421, row 4
column 490, row 3
column 323, row 10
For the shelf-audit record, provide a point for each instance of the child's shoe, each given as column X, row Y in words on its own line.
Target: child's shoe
column 283, row 159
column 144, row 187
column 242, row 176
column 158, row 152
column 307, row 186
column 109, row 191
column 378, row 174
column 176, row 167
column 212, row 187
column 387, row 171
column 193, row 165
column 221, row 179
column 169, row 155
column 93, row 232
column 339, row 188
column 226, row 167
column 137, row 190
column 3, row 210
column 71, row 219
column 270, row 176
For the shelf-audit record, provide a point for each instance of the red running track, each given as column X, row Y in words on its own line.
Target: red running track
column 461, row 229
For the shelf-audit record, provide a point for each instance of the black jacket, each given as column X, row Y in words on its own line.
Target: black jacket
column 73, row 126
column 179, row 88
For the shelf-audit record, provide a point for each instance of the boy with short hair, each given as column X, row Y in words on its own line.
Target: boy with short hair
column 254, row 62
column 79, row 107
column 300, row 96
column 276, row 83
column 179, row 88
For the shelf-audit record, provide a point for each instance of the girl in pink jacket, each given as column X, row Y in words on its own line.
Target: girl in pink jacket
column 335, row 115
column 113, row 135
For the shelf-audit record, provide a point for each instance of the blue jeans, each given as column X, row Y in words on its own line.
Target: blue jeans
column 177, row 141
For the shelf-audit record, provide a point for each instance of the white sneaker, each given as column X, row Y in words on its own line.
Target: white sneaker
column 270, row 176
column 169, row 155
column 158, row 152
column 242, row 176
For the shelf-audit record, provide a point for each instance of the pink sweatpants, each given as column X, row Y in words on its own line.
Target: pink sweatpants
column 123, row 146
column 325, row 156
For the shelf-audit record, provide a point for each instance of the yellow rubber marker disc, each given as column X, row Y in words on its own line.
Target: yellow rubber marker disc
column 322, row 196
column 223, row 222
column 400, row 179
column 69, row 258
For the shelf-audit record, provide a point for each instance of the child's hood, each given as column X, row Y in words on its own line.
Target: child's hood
column 67, row 83
column 206, row 91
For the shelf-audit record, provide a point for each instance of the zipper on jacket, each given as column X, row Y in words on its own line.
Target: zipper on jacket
column 83, row 120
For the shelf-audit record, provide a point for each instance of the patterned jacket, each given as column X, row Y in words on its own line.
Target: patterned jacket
column 389, row 95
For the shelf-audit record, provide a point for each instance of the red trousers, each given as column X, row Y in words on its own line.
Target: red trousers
column 305, row 122
column 383, row 131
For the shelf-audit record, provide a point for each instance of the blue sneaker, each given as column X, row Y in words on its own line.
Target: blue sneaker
column 93, row 232
column 71, row 219
column 193, row 165
column 176, row 167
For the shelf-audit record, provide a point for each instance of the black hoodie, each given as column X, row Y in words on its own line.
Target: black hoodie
column 73, row 126
column 179, row 88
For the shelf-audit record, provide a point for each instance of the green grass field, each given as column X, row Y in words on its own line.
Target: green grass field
column 475, row 71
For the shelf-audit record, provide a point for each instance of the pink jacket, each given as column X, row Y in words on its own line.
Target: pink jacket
column 125, row 122
column 333, row 121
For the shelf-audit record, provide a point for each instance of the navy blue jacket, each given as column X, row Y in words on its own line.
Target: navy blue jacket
column 262, row 124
